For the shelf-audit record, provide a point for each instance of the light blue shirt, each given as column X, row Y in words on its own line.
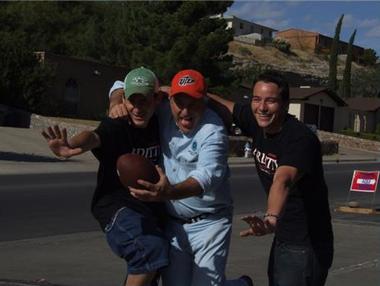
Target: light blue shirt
column 201, row 154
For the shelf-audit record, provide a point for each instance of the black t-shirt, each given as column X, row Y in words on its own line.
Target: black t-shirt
column 306, row 216
column 118, row 137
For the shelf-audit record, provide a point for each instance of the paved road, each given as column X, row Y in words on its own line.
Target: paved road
column 56, row 204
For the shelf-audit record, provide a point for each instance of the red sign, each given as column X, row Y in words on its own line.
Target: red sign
column 364, row 181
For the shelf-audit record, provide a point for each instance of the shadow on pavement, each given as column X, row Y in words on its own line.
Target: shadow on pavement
column 24, row 157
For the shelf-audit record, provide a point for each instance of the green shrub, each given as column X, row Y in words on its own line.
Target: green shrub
column 282, row 45
column 377, row 131
column 245, row 51
column 368, row 136
column 368, row 58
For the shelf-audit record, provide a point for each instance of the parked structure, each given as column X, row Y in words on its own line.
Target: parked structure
column 315, row 42
column 364, row 114
column 80, row 86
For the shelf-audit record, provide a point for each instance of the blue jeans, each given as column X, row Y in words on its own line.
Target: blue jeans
column 138, row 239
column 198, row 252
column 295, row 265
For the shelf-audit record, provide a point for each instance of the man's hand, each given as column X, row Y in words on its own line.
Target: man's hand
column 258, row 226
column 57, row 141
column 154, row 192
column 164, row 90
column 117, row 104
column 118, row 110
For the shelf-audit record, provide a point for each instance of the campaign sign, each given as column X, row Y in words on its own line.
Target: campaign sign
column 364, row 181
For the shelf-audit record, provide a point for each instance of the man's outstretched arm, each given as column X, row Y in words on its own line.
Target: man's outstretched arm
column 66, row 148
column 223, row 107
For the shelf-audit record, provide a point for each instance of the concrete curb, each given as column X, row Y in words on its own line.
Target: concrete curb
column 42, row 282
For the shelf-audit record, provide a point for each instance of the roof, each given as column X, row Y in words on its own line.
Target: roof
column 295, row 29
column 364, row 103
column 304, row 93
column 234, row 17
column 313, row 33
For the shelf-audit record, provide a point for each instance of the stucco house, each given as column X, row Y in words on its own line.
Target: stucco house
column 81, row 86
column 315, row 42
column 318, row 106
column 364, row 114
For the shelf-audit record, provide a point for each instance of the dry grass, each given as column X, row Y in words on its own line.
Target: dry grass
column 298, row 61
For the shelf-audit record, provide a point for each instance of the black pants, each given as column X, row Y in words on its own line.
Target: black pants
column 296, row 265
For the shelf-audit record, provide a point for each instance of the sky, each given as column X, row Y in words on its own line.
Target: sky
column 317, row 16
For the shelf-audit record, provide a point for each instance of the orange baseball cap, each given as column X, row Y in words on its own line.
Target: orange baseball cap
column 190, row 82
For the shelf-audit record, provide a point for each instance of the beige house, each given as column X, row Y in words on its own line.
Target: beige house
column 319, row 107
column 81, row 86
column 315, row 42
column 364, row 114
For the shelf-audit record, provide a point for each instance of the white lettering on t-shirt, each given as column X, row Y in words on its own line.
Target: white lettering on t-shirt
column 266, row 162
column 150, row 152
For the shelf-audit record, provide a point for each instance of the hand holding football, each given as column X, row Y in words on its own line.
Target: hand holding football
column 132, row 167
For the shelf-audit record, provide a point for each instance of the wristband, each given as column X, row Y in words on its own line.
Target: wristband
column 271, row 215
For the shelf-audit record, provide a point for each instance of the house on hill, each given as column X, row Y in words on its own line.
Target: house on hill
column 364, row 115
column 315, row 42
column 242, row 27
column 80, row 87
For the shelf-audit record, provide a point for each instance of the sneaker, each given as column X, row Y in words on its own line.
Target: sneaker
column 247, row 280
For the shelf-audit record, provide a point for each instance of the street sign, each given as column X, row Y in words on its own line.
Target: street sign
column 364, row 181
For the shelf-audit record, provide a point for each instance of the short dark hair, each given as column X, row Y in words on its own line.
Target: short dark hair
column 276, row 78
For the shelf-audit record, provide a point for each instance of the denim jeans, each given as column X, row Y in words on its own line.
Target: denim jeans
column 138, row 239
column 295, row 265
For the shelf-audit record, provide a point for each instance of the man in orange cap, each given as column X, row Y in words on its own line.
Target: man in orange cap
column 195, row 186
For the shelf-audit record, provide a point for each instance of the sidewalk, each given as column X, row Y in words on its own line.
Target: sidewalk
column 24, row 151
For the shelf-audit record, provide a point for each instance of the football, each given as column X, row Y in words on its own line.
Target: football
column 131, row 167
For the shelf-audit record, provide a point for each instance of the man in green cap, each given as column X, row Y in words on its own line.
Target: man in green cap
column 132, row 227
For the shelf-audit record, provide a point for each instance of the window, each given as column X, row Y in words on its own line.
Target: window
column 71, row 97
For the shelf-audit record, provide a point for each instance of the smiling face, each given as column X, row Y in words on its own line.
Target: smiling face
column 268, row 107
column 140, row 108
column 187, row 111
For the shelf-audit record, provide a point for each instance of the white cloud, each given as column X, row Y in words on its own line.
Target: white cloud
column 348, row 21
column 368, row 23
column 275, row 24
column 373, row 32
column 269, row 14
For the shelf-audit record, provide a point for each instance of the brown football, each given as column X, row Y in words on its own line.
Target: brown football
column 131, row 167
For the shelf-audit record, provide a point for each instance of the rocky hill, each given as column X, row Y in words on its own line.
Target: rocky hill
column 297, row 61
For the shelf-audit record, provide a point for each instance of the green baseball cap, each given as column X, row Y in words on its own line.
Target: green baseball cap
column 140, row 80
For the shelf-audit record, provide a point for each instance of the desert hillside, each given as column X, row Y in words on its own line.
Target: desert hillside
column 297, row 61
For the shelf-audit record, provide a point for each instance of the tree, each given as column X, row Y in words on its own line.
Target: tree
column 163, row 35
column 346, row 83
column 23, row 79
column 369, row 57
column 366, row 82
column 334, row 56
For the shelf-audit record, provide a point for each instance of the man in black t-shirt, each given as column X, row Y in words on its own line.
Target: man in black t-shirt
column 132, row 227
column 289, row 164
